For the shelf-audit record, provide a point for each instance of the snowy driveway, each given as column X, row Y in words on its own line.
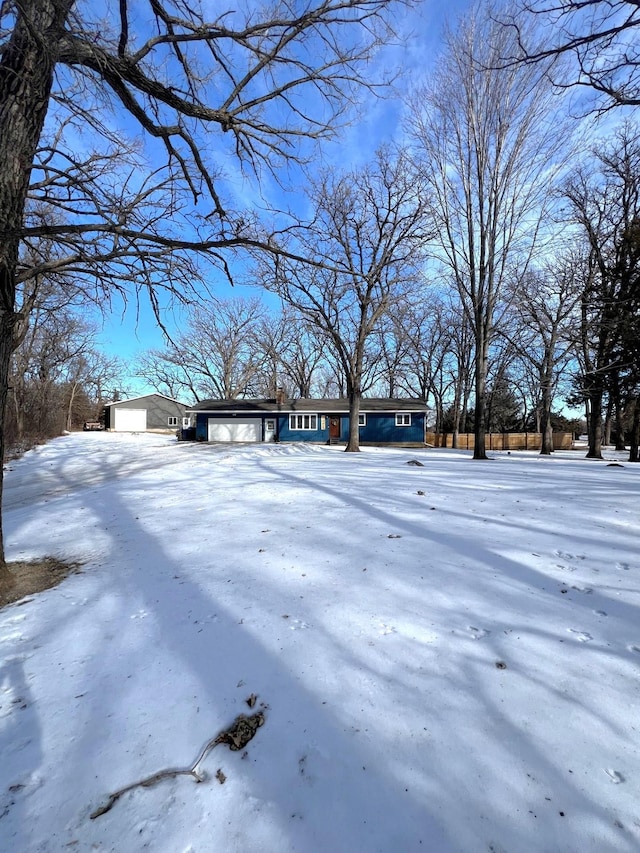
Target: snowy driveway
column 88, row 460
column 448, row 656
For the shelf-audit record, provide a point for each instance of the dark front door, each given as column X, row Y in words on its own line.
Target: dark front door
column 334, row 427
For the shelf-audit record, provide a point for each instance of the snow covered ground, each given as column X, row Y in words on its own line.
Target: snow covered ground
column 448, row 656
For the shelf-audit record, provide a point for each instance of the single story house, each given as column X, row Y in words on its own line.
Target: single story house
column 150, row 412
column 381, row 420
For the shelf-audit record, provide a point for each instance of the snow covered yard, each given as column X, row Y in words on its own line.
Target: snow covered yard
column 457, row 670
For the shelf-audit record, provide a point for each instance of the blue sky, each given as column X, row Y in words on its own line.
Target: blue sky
column 132, row 329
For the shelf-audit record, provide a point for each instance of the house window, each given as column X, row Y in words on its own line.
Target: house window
column 308, row 422
column 362, row 420
column 172, row 421
column 186, row 422
column 403, row 419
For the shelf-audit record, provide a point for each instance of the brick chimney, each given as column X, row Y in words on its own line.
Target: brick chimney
column 280, row 396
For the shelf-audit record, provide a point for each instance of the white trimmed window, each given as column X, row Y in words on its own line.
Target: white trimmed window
column 362, row 420
column 403, row 419
column 172, row 421
column 186, row 422
column 309, row 422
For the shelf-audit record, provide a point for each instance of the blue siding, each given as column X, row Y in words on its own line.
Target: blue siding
column 286, row 434
column 381, row 427
column 201, row 427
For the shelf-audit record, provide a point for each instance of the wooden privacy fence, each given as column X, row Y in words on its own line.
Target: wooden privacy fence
column 501, row 440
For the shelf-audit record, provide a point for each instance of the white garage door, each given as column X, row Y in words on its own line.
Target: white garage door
column 236, row 429
column 131, row 420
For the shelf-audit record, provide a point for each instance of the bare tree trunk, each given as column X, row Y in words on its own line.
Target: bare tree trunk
column 538, row 417
column 353, row 445
column 608, row 418
column 72, row 398
column 439, row 412
column 587, row 415
column 546, row 431
column 545, row 416
column 18, row 414
column 480, row 419
column 6, row 348
column 464, row 412
column 26, row 77
column 635, row 432
column 457, row 414
column 595, row 424
column 617, row 414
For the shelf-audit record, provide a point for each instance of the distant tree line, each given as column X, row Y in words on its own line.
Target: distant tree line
column 59, row 377
column 478, row 264
column 478, row 269
column 441, row 271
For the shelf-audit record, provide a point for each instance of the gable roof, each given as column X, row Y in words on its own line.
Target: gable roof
column 144, row 397
column 306, row 404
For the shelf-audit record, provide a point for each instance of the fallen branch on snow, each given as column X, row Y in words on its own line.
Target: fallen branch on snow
column 237, row 736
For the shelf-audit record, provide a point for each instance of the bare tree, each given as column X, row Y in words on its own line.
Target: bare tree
column 392, row 347
column 50, row 369
column 417, row 344
column 458, row 361
column 293, row 351
column 600, row 40
column 605, row 202
column 504, row 408
column 219, row 354
column 369, row 229
column 545, row 305
column 265, row 80
column 488, row 142
column 165, row 371
column 634, row 444
column 89, row 377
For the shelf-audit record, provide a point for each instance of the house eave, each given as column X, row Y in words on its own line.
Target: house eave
column 308, row 406
column 143, row 397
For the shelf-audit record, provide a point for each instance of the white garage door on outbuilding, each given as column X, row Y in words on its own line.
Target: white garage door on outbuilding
column 147, row 413
column 130, row 420
column 234, row 429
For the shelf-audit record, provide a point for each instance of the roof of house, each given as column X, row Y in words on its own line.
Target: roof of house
column 337, row 406
column 144, row 397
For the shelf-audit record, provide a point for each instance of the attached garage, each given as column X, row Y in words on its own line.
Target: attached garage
column 382, row 420
column 130, row 420
column 234, row 429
